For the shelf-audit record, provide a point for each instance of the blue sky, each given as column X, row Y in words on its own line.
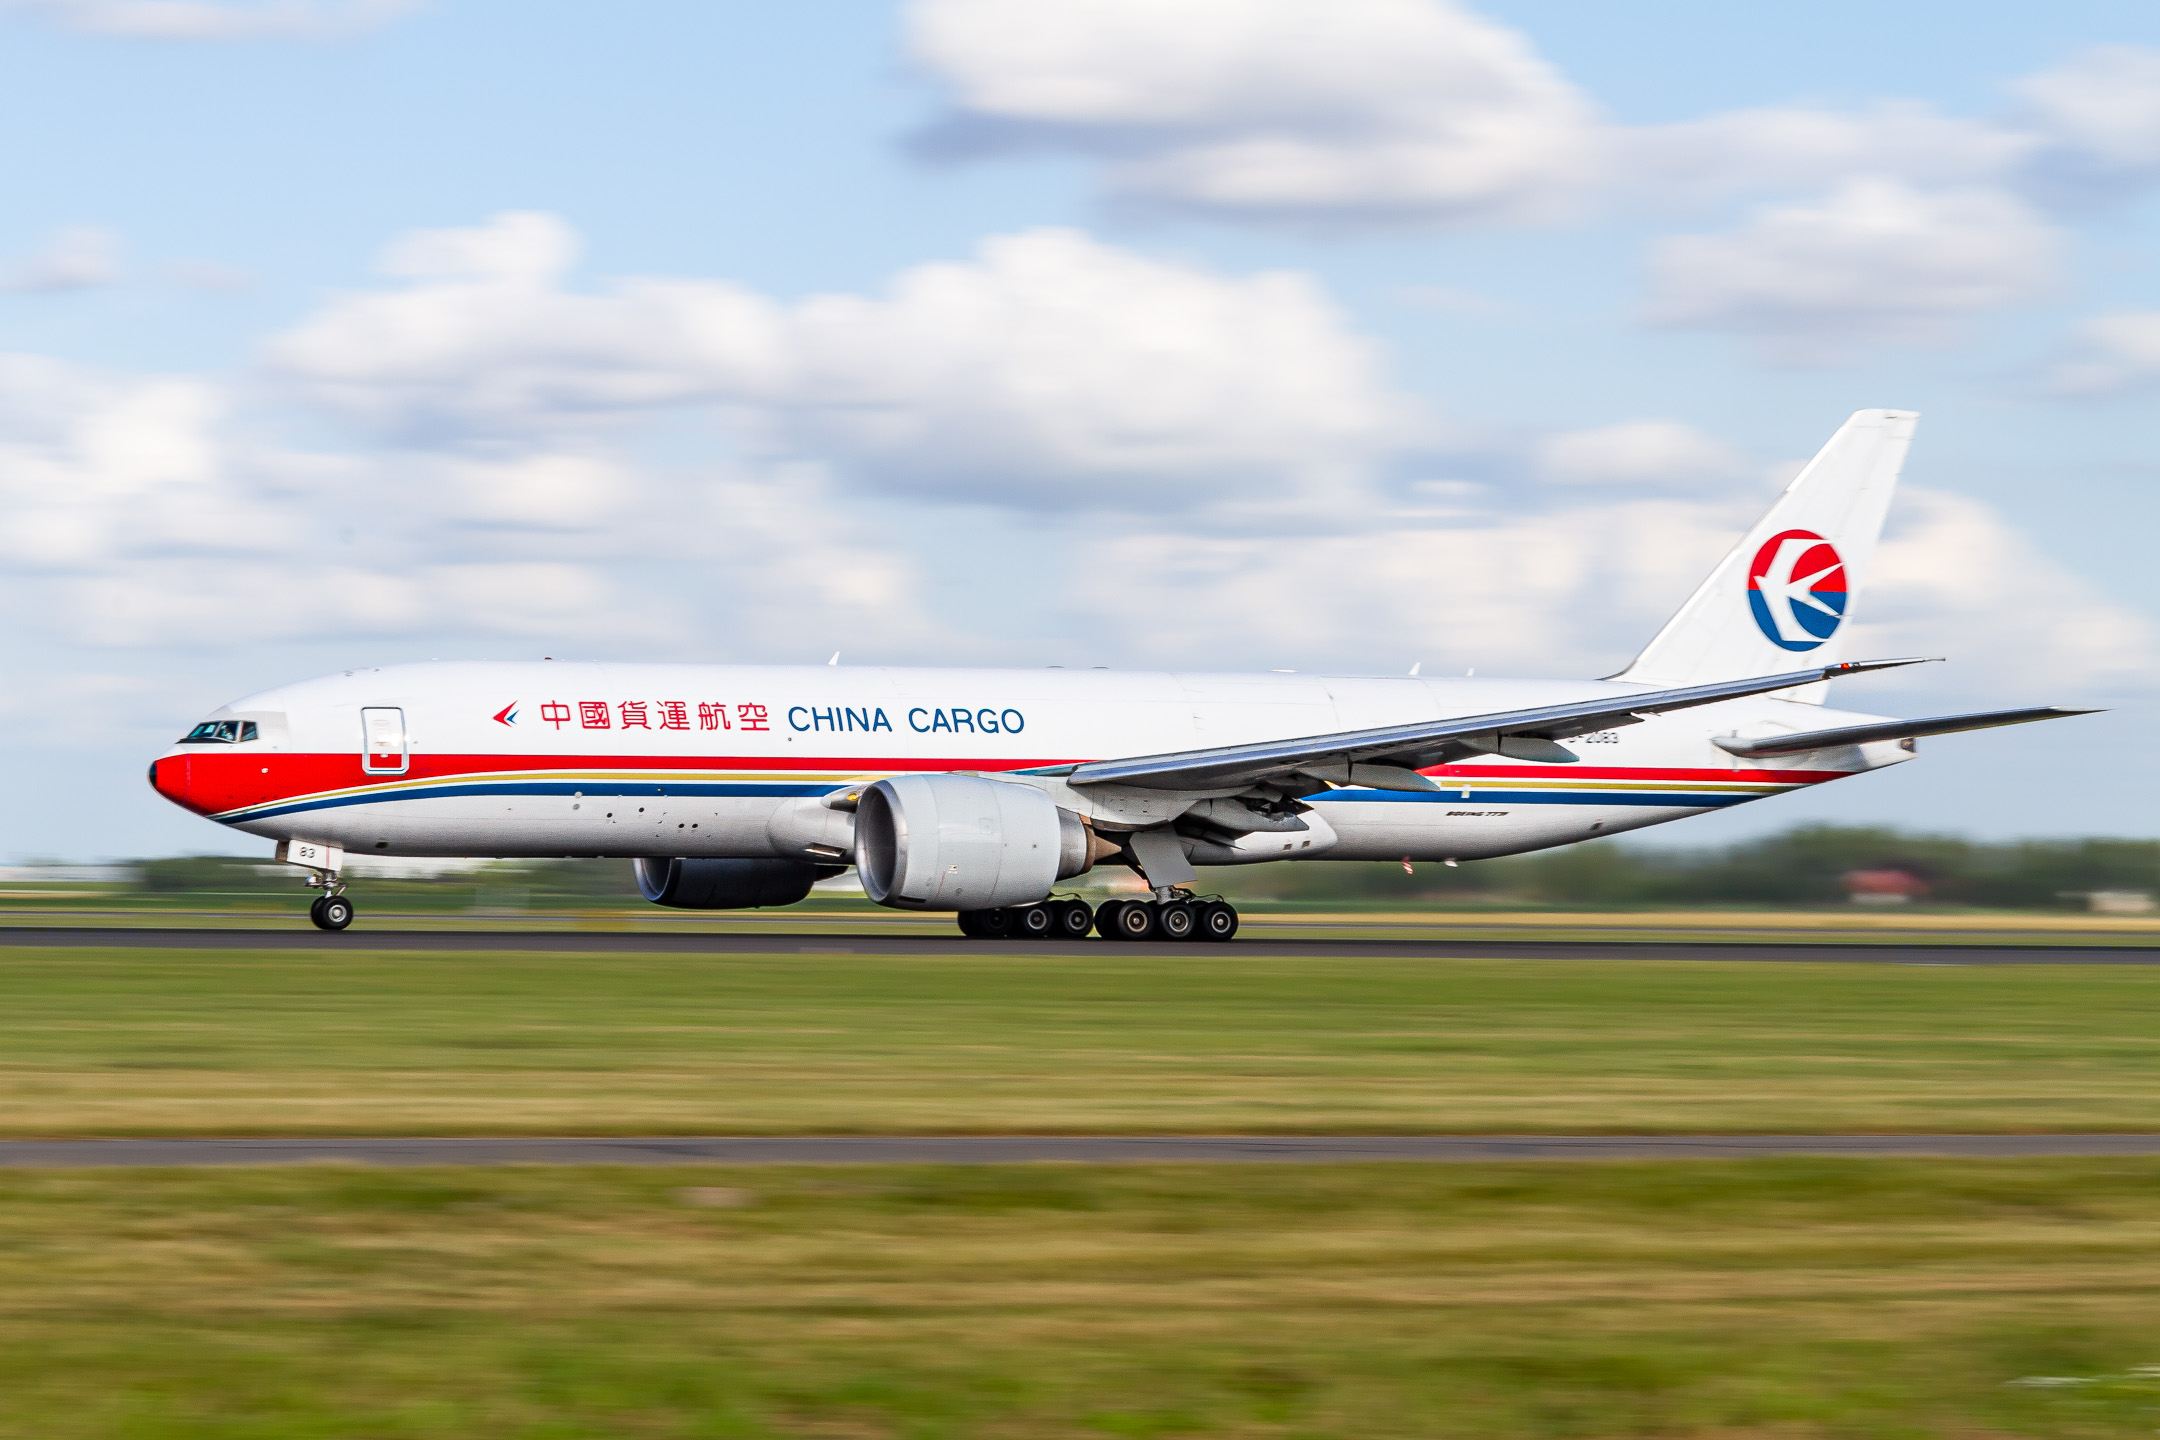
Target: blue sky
column 1197, row 333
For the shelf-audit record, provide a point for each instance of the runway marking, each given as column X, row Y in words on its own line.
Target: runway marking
column 1040, row 1149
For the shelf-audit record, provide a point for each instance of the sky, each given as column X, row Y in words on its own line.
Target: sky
column 1327, row 335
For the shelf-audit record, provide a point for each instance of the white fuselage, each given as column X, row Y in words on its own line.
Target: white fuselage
column 558, row 759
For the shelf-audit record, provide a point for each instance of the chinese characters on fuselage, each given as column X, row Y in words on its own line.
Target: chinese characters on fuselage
column 655, row 714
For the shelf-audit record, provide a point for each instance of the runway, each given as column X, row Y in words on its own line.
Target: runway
column 302, row 937
column 1039, row 1149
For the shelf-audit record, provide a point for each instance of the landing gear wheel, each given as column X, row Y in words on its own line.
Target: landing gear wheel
column 1218, row 920
column 1177, row 921
column 986, row 924
column 1033, row 922
column 331, row 912
column 1128, row 920
column 1074, row 919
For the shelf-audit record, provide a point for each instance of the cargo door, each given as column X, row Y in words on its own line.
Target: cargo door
column 382, row 739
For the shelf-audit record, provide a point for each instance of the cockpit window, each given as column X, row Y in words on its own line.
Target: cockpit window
column 220, row 732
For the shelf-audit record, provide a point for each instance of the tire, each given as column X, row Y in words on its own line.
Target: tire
column 1177, row 921
column 1134, row 920
column 1033, row 922
column 331, row 912
column 1218, row 921
column 1106, row 919
column 1074, row 920
column 970, row 924
column 994, row 924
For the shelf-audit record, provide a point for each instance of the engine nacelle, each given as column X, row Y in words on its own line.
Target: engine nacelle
column 727, row 884
column 960, row 842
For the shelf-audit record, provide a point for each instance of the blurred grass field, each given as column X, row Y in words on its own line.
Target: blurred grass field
column 1787, row 1298
column 157, row 1042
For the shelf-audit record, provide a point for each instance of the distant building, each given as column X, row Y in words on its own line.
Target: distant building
column 69, row 874
column 2120, row 902
column 1883, row 887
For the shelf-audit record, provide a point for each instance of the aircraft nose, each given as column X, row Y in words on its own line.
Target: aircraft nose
column 169, row 777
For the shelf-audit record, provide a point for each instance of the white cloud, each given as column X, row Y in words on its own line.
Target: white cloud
column 2098, row 118
column 1660, row 453
column 1792, row 148
column 1571, row 592
column 2111, row 353
column 517, row 250
column 1408, row 108
column 1578, row 590
column 1049, row 369
column 142, row 512
column 1876, row 262
column 1379, row 111
column 516, row 500
column 1952, row 577
column 203, row 20
column 81, row 257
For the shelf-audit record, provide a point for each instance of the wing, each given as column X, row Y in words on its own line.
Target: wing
column 1892, row 730
column 1388, row 758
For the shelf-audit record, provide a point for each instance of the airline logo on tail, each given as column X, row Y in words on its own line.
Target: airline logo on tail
column 1797, row 589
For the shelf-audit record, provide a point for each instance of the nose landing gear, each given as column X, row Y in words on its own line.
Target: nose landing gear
column 331, row 912
column 323, row 863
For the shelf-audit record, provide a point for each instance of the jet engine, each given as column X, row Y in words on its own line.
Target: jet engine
column 960, row 842
column 727, row 884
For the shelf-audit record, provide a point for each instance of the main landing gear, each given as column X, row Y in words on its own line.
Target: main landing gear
column 1180, row 917
column 1049, row 920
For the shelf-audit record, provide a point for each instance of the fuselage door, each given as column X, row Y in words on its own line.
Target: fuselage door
column 383, row 749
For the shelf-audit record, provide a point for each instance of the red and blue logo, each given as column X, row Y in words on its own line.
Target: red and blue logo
column 1797, row 589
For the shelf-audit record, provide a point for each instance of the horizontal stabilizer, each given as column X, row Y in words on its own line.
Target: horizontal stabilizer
column 1892, row 730
column 1429, row 742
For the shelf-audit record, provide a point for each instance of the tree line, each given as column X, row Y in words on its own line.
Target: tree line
column 1802, row 866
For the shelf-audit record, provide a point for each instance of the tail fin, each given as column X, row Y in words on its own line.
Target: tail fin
column 1786, row 590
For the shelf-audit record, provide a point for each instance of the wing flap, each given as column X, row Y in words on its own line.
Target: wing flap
column 1892, row 730
column 1432, row 742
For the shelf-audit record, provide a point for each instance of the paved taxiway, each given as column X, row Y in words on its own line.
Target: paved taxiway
column 1034, row 1149
column 797, row 942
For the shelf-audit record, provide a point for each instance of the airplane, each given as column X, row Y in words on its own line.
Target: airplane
column 977, row 791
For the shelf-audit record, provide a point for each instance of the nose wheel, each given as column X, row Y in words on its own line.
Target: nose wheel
column 331, row 912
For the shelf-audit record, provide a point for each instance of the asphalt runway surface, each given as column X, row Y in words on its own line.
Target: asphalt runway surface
column 303, row 937
column 1037, row 1149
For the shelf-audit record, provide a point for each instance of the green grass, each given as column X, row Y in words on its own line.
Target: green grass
column 174, row 1042
column 1791, row 1298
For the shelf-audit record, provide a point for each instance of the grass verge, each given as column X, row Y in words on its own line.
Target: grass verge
column 178, row 1042
column 1786, row 1298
